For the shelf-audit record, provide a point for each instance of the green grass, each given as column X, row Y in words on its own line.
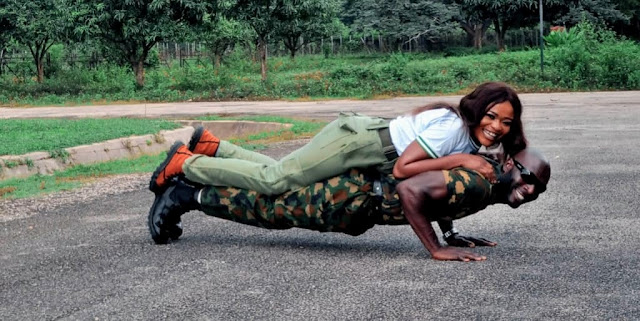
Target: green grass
column 20, row 136
column 78, row 175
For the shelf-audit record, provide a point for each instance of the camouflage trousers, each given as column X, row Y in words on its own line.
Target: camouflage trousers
column 346, row 203
column 339, row 204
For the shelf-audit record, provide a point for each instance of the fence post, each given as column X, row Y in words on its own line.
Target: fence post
column 2, row 61
column 332, row 45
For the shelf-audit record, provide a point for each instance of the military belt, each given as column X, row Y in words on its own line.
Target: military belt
column 387, row 146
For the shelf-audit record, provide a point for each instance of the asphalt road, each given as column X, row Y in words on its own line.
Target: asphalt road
column 572, row 254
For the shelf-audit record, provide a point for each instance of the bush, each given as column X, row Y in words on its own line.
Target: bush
column 596, row 59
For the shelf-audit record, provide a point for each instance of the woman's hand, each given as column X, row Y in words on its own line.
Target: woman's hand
column 480, row 165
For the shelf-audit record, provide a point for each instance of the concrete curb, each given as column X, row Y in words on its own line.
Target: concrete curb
column 19, row 166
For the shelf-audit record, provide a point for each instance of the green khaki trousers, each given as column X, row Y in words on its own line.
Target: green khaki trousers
column 351, row 141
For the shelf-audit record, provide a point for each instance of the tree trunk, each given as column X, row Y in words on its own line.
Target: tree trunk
column 2, row 61
column 262, row 51
column 500, row 31
column 40, row 67
column 474, row 32
column 218, row 58
column 478, row 35
column 138, row 69
column 37, row 53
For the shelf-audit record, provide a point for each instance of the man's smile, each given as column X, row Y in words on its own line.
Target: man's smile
column 519, row 195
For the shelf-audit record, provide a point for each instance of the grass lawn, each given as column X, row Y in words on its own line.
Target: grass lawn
column 21, row 136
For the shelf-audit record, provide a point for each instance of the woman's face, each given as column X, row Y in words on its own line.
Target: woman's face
column 495, row 124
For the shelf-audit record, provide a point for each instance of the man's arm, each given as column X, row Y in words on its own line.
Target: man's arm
column 423, row 191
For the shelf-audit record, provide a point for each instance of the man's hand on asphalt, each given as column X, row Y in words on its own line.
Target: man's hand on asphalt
column 455, row 254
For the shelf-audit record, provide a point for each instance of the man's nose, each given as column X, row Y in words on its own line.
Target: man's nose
column 529, row 189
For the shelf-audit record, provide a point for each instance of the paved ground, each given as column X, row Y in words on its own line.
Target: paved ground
column 573, row 254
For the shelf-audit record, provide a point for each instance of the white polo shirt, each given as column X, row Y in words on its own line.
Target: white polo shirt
column 439, row 132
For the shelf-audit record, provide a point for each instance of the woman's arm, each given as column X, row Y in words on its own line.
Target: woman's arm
column 415, row 160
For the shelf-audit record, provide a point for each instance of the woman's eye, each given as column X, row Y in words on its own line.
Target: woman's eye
column 507, row 123
column 491, row 116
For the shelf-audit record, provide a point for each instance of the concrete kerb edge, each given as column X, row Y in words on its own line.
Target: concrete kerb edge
column 20, row 166
column 128, row 147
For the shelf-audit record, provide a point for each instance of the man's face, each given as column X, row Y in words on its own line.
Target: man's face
column 529, row 178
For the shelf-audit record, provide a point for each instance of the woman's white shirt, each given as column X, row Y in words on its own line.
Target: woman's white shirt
column 439, row 132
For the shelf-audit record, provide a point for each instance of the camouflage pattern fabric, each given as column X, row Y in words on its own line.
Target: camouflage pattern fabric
column 339, row 204
column 346, row 203
column 468, row 192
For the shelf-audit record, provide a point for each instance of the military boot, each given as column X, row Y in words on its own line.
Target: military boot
column 170, row 167
column 203, row 142
column 164, row 216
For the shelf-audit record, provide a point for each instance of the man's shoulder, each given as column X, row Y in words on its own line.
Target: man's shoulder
column 467, row 192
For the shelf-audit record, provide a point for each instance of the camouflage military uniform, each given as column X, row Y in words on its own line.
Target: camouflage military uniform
column 347, row 203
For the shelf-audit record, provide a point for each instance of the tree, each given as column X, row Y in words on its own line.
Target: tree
column 400, row 20
column 6, row 29
column 475, row 21
column 504, row 14
column 508, row 14
column 304, row 21
column 133, row 27
column 631, row 9
column 595, row 11
column 261, row 16
column 220, row 34
column 40, row 24
column 6, row 24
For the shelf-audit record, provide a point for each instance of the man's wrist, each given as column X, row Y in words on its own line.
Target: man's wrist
column 450, row 233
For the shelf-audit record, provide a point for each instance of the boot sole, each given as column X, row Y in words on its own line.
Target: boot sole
column 153, row 186
column 195, row 138
column 156, row 235
column 159, row 235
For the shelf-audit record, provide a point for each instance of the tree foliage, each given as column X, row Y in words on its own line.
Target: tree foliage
column 595, row 11
column 6, row 24
column 304, row 21
column 40, row 24
column 133, row 27
column 260, row 15
column 401, row 20
column 220, row 34
column 631, row 9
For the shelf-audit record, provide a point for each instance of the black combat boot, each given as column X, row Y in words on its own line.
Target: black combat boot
column 164, row 215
